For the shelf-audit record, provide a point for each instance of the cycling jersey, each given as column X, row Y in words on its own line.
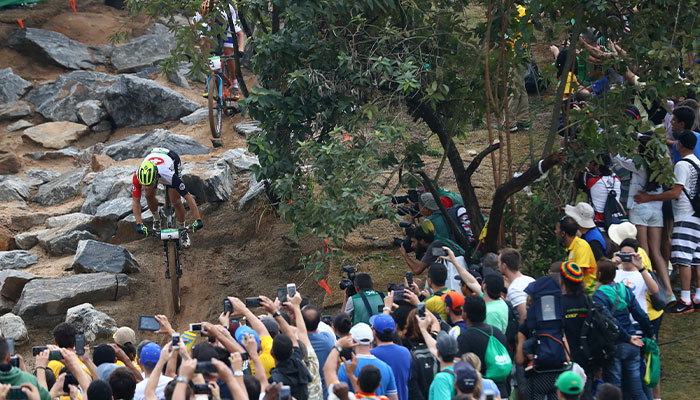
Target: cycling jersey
column 168, row 164
column 223, row 19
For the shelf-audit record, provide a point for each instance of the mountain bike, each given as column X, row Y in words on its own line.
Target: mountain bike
column 219, row 88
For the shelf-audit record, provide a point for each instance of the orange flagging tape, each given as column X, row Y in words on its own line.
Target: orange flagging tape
column 322, row 283
column 328, row 250
column 72, row 4
column 20, row 23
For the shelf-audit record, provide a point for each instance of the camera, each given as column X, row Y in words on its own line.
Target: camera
column 625, row 257
column 348, row 284
column 409, row 228
column 414, row 197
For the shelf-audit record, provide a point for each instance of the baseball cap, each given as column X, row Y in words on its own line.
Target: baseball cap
column 446, row 345
column 465, row 377
column 453, row 300
column 105, row 370
column 150, row 354
column 622, row 231
column 686, row 137
column 428, row 201
column 382, row 322
column 582, row 213
column 124, row 335
column 569, row 383
column 572, row 272
column 362, row 334
column 246, row 330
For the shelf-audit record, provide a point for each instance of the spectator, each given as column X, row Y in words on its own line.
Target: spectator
column 569, row 386
column 443, row 385
column 454, row 301
column 342, row 323
column 397, row 357
column 496, row 307
column 580, row 252
column 123, row 384
column 486, row 385
column 99, row 390
column 289, row 369
column 683, row 119
column 583, row 214
column 322, row 342
column 366, row 302
column 11, row 375
column 426, row 364
column 686, row 226
column 435, row 221
column 64, row 337
column 150, row 354
column 509, row 267
column 607, row 391
column 467, row 380
column 369, row 380
column 598, row 180
column 633, row 274
column 621, row 302
column 437, row 275
column 125, row 338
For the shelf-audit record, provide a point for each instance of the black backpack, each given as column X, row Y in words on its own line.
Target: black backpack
column 428, row 364
column 511, row 332
column 599, row 336
column 613, row 213
column 695, row 200
column 459, row 215
column 534, row 84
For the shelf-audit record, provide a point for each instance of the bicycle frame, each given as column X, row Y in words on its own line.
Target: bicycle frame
column 223, row 89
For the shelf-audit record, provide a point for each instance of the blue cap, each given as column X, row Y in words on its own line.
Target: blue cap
column 105, row 370
column 150, row 354
column 246, row 330
column 465, row 377
column 382, row 322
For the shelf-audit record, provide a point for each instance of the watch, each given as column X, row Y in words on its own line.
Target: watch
column 340, row 349
column 277, row 313
column 181, row 379
column 237, row 373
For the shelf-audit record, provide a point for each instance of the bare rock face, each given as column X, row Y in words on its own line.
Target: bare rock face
column 55, row 135
column 64, row 187
column 12, row 86
column 51, row 46
column 9, row 163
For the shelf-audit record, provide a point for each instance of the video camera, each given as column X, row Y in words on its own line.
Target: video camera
column 348, row 284
column 414, row 197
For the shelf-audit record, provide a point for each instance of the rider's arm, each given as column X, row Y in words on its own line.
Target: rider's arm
column 136, row 200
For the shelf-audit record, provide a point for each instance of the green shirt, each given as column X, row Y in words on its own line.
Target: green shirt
column 442, row 232
column 497, row 314
column 16, row 377
column 443, row 386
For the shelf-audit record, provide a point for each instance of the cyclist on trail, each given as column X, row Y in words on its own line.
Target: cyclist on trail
column 163, row 166
column 208, row 7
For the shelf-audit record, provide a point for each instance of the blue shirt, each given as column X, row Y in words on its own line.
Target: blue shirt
column 676, row 156
column 443, row 386
column 323, row 343
column 388, row 383
column 399, row 359
column 594, row 234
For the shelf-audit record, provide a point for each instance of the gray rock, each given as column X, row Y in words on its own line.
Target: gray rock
column 102, row 126
column 6, row 305
column 90, row 112
column 179, row 79
column 27, row 240
column 57, row 101
column 93, row 256
column 116, row 208
column 12, row 282
column 209, row 181
column 68, row 152
column 138, row 146
column 28, row 221
column 248, row 128
column 45, row 298
column 60, row 189
column 196, row 117
column 19, row 125
column 133, row 101
column 13, row 189
column 67, row 230
column 12, row 86
column 54, row 46
column 255, row 189
column 14, row 109
column 55, row 135
column 58, row 242
column 126, row 228
column 144, row 51
column 17, row 259
column 40, row 176
column 93, row 323
column 109, row 184
column 79, row 220
column 12, row 326
column 238, row 159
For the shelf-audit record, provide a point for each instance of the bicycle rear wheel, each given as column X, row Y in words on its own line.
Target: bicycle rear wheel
column 215, row 107
column 174, row 276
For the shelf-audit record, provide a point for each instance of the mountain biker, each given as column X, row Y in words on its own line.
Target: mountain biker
column 163, row 166
column 208, row 6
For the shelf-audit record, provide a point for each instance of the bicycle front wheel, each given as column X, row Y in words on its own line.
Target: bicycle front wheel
column 174, row 276
column 215, row 107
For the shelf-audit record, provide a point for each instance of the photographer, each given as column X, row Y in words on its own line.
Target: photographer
column 366, row 302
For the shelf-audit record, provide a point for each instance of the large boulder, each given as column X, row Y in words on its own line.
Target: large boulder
column 66, row 231
column 12, row 283
column 9, row 163
column 55, row 135
column 196, row 117
column 93, row 256
column 209, row 181
column 93, row 323
column 12, row 86
column 248, row 128
column 43, row 299
column 16, row 259
column 58, row 190
column 28, row 221
column 14, row 109
column 109, row 184
column 38, row 176
column 12, row 326
column 134, row 101
column 116, row 208
column 51, row 46
column 91, row 112
column 68, row 152
column 143, row 51
column 58, row 101
column 138, row 146
column 238, row 160
column 126, row 228
column 60, row 242
column 13, row 189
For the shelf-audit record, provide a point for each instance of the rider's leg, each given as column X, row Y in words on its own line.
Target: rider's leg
column 231, row 65
column 150, row 194
column 175, row 200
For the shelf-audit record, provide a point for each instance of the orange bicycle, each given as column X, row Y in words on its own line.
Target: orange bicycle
column 220, row 89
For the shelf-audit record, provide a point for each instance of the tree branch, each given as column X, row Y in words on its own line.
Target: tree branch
column 479, row 158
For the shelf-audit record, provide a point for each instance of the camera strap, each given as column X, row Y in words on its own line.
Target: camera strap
column 367, row 306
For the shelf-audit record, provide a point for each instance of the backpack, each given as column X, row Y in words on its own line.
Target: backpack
column 545, row 319
column 498, row 362
column 599, row 335
column 613, row 213
column 513, row 325
column 533, row 80
column 427, row 363
column 461, row 218
column 694, row 201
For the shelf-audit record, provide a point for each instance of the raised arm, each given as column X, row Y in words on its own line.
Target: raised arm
column 302, row 333
column 252, row 347
column 466, row 277
column 165, row 355
column 239, row 308
column 273, row 309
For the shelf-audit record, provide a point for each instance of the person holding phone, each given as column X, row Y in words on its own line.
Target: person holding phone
column 437, row 276
column 13, row 376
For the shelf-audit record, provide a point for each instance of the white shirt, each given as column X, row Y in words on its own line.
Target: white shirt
column 224, row 18
column 323, row 327
column 140, row 393
column 685, row 175
column 516, row 291
column 635, row 282
column 637, row 183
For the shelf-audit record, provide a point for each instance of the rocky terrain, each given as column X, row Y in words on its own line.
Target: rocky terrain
column 77, row 115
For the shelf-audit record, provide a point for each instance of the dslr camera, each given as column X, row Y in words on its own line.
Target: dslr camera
column 413, row 196
column 348, row 284
column 409, row 228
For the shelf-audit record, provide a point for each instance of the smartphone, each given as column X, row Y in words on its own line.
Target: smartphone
column 409, row 279
column 489, row 394
column 176, row 341
column 228, row 307
column 202, row 388
column 36, row 350
column 10, row 346
column 282, row 294
column 252, row 302
column 286, row 393
column 69, row 380
column 438, row 252
column 327, row 319
column 195, row 327
column 421, row 309
column 625, row 257
column 380, row 308
column 55, row 355
column 16, row 393
column 399, row 295
column 148, row 323
column 204, row 368
column 233, row 325
column 79, row 344
column 291, row 290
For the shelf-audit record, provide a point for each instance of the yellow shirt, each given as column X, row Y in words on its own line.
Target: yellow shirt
column 646, row 263
column 57, row 366
column 435, row 303
column 580, row 253
column 265, row 355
